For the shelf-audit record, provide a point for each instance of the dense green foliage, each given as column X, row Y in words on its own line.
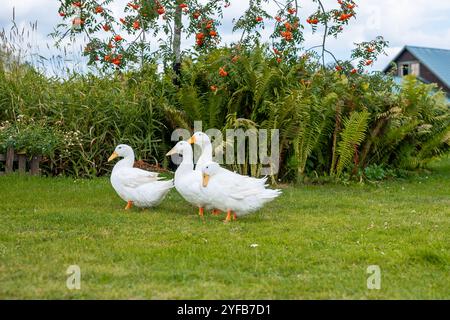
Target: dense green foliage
column 28, row 137
column 331, row 123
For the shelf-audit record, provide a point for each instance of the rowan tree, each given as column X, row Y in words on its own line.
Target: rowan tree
column 115, row 42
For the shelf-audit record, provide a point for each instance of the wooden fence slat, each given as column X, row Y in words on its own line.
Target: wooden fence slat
column 22, row 163
column 3, row 157
column 9, row 160
column 34, row 167
column 12, row 157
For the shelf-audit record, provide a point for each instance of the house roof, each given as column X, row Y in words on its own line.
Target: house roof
column 437, row 60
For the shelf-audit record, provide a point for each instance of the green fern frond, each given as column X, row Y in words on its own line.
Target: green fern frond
column 190, row 103
column 175, row 117
column 353, row 134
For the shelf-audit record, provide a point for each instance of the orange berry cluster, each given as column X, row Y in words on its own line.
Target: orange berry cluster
column 347, row 10
column 208, row 30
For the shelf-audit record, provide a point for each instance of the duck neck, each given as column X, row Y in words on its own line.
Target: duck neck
column 127, row 162
column 206, row 155
column 187, row 164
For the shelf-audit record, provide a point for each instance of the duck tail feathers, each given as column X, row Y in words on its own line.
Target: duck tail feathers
column 270, row 193
column 166, row 184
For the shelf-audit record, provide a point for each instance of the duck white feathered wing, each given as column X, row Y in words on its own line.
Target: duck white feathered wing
column 230, row 191
column 245, row 180
column 142, row 187
column 134, row 177
column 188, row 186
column 152, row 194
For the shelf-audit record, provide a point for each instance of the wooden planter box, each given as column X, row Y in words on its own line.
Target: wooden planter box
column 23, row 162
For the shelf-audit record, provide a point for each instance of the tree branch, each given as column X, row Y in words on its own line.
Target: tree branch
column 324, row 34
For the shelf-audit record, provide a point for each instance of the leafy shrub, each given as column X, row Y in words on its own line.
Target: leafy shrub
column 331, row 123
column 375, row 172
column 28, row 137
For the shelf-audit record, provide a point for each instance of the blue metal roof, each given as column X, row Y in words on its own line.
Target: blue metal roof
column 437, row 60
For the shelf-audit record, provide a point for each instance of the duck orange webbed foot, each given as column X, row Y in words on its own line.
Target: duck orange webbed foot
column 129, row 205
column 228, row 218
column 201, row 214
column 216, row 212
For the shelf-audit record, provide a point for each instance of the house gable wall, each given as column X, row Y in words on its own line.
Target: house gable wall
column 425, row 73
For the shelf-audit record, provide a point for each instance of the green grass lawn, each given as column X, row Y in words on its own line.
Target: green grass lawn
column 313, row 242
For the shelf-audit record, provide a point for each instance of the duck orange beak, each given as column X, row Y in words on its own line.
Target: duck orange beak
column 113, row 156
column 191, row 140
column 205, row 180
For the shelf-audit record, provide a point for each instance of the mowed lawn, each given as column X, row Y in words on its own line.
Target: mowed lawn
column 314, row 242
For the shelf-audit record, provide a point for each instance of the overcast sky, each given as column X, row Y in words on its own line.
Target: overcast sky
column 413, row 22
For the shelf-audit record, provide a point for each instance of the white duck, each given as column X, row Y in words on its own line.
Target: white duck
column 234, row 195
column 204, row 142
column 135, row 186
column 188, row 182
